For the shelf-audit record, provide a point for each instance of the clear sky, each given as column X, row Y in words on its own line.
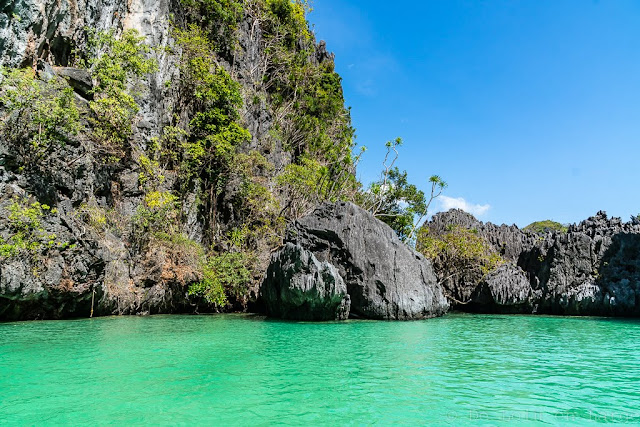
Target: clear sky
column 529, row 109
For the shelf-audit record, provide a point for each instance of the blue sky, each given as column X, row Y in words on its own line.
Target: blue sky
column 530, row 110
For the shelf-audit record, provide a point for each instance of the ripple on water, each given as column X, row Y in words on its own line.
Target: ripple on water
column 234, row 369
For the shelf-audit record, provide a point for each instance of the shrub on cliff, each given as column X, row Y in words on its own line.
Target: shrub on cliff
column 225, row 275
column 27, row 235
column 37, row 116
column 116, row 64
column 219, row 18
column 214, row 129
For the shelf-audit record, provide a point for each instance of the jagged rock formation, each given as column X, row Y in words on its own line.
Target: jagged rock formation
column 592, row 269
column 301, row 287
column 385, row 279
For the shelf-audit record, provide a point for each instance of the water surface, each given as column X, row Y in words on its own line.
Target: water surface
column 240, row 369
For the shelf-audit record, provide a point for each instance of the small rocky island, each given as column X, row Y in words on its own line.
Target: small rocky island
column 591, row 269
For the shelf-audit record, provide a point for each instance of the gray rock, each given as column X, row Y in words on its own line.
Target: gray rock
column 506, row 287
column 79, row 80
column 592, row 269
column 298, row 286
column 385, row 278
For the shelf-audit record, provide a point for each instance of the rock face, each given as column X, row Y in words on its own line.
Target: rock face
column 506, row 288
column 385, row 279
column 592, row 269
column 98, row 262
column 301, row 287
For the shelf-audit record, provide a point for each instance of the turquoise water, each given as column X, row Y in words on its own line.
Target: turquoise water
column 240, row 369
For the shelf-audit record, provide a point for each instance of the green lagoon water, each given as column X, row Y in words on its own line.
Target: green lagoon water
column 245, row 370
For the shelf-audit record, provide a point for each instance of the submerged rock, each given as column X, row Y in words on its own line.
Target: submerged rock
column 385, row 279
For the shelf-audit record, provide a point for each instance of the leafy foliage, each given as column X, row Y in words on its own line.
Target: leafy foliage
column 225, row 275
column 158, row 213
column 27, row 234
column 151, row 175
column 546, row 226
column 101, row 218
column 218, row 18
column 258, row 209
column 307, row 101
column 460, row 251
column 301, row 180
column 115, row 63
column 214, row 131
column 395, row 201
column 38, row 115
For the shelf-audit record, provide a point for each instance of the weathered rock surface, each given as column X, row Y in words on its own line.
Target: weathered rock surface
column 385, row 279
column 301, row 287
column 101, row 263
column 506, row 287
column 96, row 264
column 593, row 269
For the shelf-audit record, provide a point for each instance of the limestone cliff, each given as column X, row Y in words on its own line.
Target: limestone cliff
column 102, row 254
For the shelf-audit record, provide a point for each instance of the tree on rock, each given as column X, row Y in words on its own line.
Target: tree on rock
column 458, row 254
column 395, row 201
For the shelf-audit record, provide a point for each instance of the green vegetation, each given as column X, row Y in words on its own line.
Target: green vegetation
column 95, row 216
column 116, row 64
column 258, row 209
column 218, row 18
column 151, row 175
column 225, row 275
column 546, row 226
column 41, row 115
column 308, row 103
column 310, row 182
column 102, row 219
column 27, row 234
column 214, row 132
column 37, row 115
column 459, row 252
column 158, row 213
column 395, row 201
